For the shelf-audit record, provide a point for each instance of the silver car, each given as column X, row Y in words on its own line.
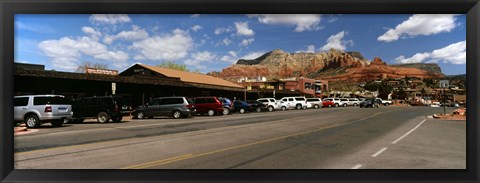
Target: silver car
column 37, row 109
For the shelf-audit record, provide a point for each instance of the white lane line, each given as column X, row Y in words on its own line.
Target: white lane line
column 357, row 166
column 379, row 152
column 403, row 136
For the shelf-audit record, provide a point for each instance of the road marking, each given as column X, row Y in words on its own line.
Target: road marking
column 357, row 166
column 162, row 162
column 77, row 131
column 403, row 136
column 379, row 152
column 159, row 162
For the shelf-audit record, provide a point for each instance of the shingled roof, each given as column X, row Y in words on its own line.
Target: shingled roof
column 191, row 77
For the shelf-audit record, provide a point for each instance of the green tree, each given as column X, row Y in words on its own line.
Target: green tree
column 172, row 65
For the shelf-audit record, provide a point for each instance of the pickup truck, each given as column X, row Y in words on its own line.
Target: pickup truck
column 385, row 102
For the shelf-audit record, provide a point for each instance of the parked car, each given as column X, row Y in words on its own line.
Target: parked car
column 208, row 105
column 241, row 106
column 336, row 101
column 384, row 102
column 34, row 110
column 101, row 108
column 176, row 107
column 328, row 102
column 271, row 103
column 227, row 105
column 370, row 102
column 343, row 102
column 353, row 101
column 295, row 102
column 314, row 103
column 256, row 106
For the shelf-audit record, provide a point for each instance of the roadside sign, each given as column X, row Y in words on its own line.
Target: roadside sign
column 114, row 88
column 444, row 84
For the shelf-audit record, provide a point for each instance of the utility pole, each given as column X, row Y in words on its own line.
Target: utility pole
column 444, row 84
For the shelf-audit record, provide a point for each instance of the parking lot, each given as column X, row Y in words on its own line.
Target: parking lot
column 315, row 138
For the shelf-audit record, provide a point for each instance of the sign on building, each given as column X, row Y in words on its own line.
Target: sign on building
column 102, row 71
column 444, row 84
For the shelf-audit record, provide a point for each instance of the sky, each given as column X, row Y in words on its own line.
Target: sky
column 211, row 42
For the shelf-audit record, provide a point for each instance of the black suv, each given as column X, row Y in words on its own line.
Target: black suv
column 101, row 108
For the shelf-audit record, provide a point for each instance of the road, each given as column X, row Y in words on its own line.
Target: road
column 331, row 138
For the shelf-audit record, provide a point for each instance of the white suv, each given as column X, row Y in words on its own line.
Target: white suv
column 353, row 102
column 314, row 103
column 295, row 102
column 272, row 104
column 37, row 109
column 343, row 102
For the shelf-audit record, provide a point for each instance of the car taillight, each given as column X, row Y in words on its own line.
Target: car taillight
column 189, row 106
column 48, row 109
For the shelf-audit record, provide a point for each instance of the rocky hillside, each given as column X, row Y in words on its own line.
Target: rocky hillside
column 427, row 67
column 333, row 65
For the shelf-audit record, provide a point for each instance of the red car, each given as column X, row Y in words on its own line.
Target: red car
column 208, row 105
column 328, row 103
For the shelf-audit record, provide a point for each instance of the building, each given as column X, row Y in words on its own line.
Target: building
column 302, row 85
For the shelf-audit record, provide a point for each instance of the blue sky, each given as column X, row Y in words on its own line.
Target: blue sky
column 212, row 42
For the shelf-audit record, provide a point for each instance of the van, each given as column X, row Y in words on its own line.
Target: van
column 176, row 107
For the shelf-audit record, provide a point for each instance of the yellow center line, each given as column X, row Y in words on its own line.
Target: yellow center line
column 145, row 165
column 180, row 158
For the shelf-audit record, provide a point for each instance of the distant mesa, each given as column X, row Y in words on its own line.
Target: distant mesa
column 333, row 65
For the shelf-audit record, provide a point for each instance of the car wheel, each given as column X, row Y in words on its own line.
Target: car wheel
column 336, row 105
column 57, row 123
column 226, row 111
column 102, row 117
column 270, row 108
column 176, row 114
column 140, row 115
column 32, row 121
column 117, row 119
column 355, row 104
column 242, row 111
column 210, row 112
column 258, row 109
column 329, row 105
column 317, row 106
column 386, row 104
column 299, row 107
column 344, row 105
column 284, row 108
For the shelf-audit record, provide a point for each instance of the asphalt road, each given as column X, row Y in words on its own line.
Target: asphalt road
column 333, row 138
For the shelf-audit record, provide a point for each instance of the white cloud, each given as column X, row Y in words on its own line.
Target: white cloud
column 196, row 28
column 136, row 33
column 34, row 27
column 253, row 55
column 91, row 31
column 169, row 47
column 310, row 49
column 195, row 15
column 226, row 41
column 109, row 18
column 454, row 54
column 198, row 59
column 243, row 29
column 221, row 30
column 420, row 24
column 232, row 57
column 246, row 42
column 66, row 52
column 336, row 42
column 417, row 58
column 303, row 22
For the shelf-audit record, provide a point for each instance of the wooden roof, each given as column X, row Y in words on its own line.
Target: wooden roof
column 191, row 77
